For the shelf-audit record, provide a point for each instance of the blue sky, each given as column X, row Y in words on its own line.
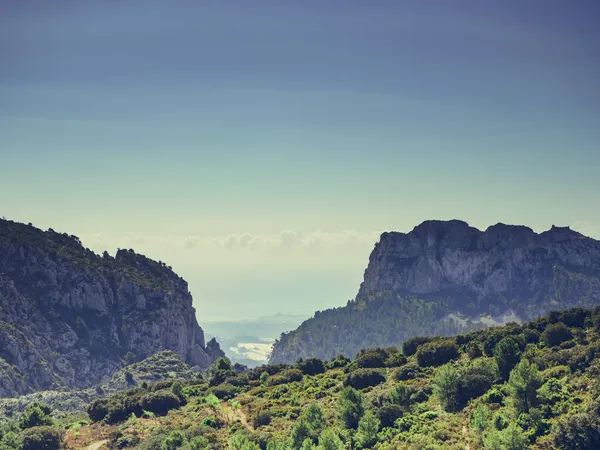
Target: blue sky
column 260, row 147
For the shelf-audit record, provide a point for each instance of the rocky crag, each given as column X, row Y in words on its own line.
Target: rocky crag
column 445, row 277
column 70, row 318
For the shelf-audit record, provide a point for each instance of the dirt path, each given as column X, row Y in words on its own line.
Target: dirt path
column 96, row 445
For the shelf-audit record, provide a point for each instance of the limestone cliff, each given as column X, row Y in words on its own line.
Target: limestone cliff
column 445, row 277
column 71, row 318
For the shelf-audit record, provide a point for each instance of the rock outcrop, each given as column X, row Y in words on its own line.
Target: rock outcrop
column 70, row 318
column 445, row 277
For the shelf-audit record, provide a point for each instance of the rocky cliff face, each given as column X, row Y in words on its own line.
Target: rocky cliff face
column 503, row 267
column 447, row 277
column 71, row 318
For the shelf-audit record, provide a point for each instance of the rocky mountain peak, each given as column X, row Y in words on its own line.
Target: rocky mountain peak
column 71, row 318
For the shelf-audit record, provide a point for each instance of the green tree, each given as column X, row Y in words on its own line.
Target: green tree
column 300, row 433
column 479, row 418
column 401, row 395
column 446, row 385
column 173, row 441
column 523, row 384
column 555, row 334
column 329, row 440
column 36, row 415
column 368, row 427
column 507, row 356
column 350, row 407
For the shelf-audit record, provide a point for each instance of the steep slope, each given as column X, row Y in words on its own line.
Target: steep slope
column 445, row 277
column 71, row 318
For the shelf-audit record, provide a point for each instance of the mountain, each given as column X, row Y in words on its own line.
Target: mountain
column 70, row 318
column 445, row 277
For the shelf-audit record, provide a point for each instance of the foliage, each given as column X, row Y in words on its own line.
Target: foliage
column 523, row 385
column 173, row 441
column 41, row 438
column 36, row 415
column 507, row 354
column 368, row 427
column 436, row 353
column 350, row 407
column 362, row 378
column 556, row 334
column 480, row 417
column 311, row 366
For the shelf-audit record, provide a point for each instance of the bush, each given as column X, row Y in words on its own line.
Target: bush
column 284, row 377
column 219, row 371
column 407, row 372
column 350, row 408
column 396, row 359
column 474, row 349
column 388, row 414
column 436, row 353
column 555, row 334
column 338, row 361
column 41, row 438
column 577, row 432
column 160, row 402
column 401, row 395
column 261, row 418
column 410, row 346
column 224, row 391
column 98, row 410
column 311, row 366
column 476, row 379
column 507, row 354
column 371, row 358
column 173, row 441
column 362, row 378
column 35, row 415
column 479, row 418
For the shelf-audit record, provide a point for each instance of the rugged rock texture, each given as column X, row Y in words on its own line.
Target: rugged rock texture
column 445, row 277
column 70, row 318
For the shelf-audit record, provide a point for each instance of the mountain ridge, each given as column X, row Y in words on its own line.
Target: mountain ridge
column 441, row 268
column 70, row 318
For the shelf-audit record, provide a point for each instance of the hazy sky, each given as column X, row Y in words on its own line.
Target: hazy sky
column 259, row 147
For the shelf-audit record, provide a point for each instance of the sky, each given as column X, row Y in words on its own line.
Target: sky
column 260, row 147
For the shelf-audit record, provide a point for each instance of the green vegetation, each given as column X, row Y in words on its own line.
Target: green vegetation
column 516, row 392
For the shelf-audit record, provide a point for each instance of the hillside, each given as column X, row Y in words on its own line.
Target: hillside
column 448, row 277
column 70, row 318
column 514, row 387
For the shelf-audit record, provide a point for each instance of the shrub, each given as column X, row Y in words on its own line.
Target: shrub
column 476, row 379
column 401, row 395
column 41, row 438
column 98, row 410
column 474, row 349
column 224, row 391
column 507, row 356
column 338, row 361
column 219, row 371
column 311, row 366
column 479, row 418
column 511, row 438
column 173, row 441
column 577, row 432
column 436, row 353
column 362, row 378
column 555, row 334
column 160, row 402
column 371, row 358
column 350, row 408
column 396, row 359
column 388, row 414
column 261, row 418
column 407, row 372
column 35, row 415
column 410, row 346
column 284, row 377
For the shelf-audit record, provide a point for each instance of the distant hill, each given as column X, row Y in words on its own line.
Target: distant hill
column 446, row 277
column 70, row 318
